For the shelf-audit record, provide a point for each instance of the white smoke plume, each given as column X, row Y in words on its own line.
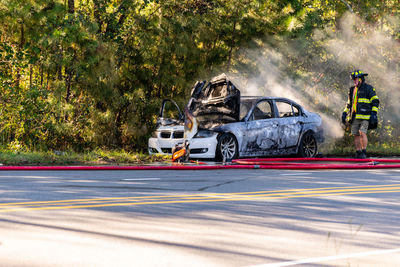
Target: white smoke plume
column 272, row 81
column 355, row 45
column 372, row 49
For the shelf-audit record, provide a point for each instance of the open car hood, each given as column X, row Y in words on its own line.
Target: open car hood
column 215, row 103
column 174, row 118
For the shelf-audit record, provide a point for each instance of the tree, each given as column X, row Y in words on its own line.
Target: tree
column 79, row 74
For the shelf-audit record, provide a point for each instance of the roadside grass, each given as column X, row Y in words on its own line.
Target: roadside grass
column 373, row 150
column 121, row 157
column 61, row 158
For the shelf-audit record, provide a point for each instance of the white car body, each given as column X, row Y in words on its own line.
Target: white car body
column 165, row 138
column 220, row 124
column 203, row 148
column 169, row 132
column 265, row 137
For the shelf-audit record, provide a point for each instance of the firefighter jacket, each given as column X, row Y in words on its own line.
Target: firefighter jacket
column 361, row 102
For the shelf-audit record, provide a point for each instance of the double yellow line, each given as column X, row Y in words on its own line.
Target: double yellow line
column 196, row 198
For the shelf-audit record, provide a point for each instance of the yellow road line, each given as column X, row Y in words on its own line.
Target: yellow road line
column 191, row 201
column 250, row 196
column 223, row 196
column 296, row 191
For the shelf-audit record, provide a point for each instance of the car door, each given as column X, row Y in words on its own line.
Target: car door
column 260, row 135
column 290, row 123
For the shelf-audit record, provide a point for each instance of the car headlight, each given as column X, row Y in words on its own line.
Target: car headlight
column 204, row 134
column 155, row 134
column 188, row 123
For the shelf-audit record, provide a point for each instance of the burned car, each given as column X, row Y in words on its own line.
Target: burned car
column 169, row 131
column 221, row 124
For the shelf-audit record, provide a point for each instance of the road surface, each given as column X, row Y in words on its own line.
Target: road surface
column 200, row 218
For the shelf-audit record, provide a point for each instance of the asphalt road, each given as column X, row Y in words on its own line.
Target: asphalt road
column 200, row 218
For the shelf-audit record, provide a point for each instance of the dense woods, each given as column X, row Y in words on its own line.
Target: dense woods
column 80, row 74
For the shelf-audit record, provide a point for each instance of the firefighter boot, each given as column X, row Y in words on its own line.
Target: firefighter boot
column 358, row 154
column 364, row 154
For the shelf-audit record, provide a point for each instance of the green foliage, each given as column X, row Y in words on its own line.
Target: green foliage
column 12, row 157
column 95, row 75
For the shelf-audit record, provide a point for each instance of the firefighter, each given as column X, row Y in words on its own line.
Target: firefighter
column 361, row 111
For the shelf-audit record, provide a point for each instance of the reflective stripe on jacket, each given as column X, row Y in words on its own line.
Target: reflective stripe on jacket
column 367, row 101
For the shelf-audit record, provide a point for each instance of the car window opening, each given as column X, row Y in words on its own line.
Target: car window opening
column 286, row 110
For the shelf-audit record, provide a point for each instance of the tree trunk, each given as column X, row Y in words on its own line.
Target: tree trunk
column 20, row 46
column 118, row 126
column 30, row 75
column 59, row 73
column 69, row 73
column 96, row 13
column 41, row 74
column 348, row 6
column 159, row 76
column 231, row 48
column 48, row 79
column 71, row 6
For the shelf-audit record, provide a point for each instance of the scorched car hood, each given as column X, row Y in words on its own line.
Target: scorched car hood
column 215, row 103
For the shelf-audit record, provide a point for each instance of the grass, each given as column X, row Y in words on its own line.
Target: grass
column 121, row 157
column 373, row 150
column 57, row 158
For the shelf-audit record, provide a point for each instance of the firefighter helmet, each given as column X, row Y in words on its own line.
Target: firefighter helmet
column 357, row 74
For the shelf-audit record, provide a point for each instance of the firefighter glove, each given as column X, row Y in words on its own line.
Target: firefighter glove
column 344, row 115
column 374, row 117
column 373, row 121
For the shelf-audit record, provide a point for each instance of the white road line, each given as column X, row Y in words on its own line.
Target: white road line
column 141, row 179
column 296, row 173
column 330, row 258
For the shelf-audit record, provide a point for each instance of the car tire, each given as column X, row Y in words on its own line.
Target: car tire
column 308, row 146
column 227, row 147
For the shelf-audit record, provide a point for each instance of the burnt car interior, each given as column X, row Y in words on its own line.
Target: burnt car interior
column 262, row 111
column 287, row 109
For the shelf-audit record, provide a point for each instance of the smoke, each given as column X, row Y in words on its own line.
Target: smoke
column 272, row 80
column 322, row 80
column 372, row 49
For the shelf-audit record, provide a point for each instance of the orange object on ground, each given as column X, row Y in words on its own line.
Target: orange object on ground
column 178, row 154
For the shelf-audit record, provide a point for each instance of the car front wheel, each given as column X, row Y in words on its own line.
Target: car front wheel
column 227, row 147
column 308, row 146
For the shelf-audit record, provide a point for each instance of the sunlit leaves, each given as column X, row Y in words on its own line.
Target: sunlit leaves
column 96, row 76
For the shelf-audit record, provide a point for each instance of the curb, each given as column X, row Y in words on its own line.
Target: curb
column 253, row 163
